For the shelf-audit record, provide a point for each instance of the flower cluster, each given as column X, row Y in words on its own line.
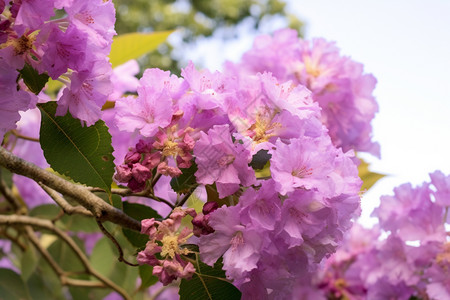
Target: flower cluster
column 73, row 49
column 235, row 128
column 337, row 83
column 163, row 250
column 412, row 261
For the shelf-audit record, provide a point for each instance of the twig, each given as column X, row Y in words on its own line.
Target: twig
column 68, row 209
column 155, row 180
column 56, row 268
column 185, row 197
column 47, row 224
column 116, row 243
column 9, row 196
column 99, row 208
column 24, row 137
column 128, row 193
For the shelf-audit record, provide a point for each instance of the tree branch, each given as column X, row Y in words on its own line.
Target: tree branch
column 68, row 209
column 128, row 192
column 47, row 224
column 99, row 208
column 116, row 243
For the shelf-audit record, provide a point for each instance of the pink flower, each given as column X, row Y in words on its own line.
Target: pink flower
column 222, row 162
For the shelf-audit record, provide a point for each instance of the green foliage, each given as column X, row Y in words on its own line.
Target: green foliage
column 186, row 181
column 197, row 19
column 28, row 262
column 208, row 283
column 147, row 277
column 134, row 45
column 33, row 80
column 81, row 153
column 12, row 286
column 139, row 212
column 369, row 178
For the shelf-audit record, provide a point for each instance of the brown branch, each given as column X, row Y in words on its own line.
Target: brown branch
column 56, row 268
column 116, row 243
column 99, row 208
column 68, row 209
column 23, row 137
column 9, row 196
column 186, row 197
column 128, row 193
column 47, row 224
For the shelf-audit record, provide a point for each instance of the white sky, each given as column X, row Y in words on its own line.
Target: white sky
column 406, row 45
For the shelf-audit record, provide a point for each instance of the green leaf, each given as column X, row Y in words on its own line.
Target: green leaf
column 12, row 286
column 186, row 181
column 208, row 283
column 139, row 212
column 369, row 178
column 33, row 80
column 134, row 45
column 82, row 153
column 103, row 258
column 147, row 277
column 45, row 211
column 53, row 86
column 28, row 262
column 65, row 256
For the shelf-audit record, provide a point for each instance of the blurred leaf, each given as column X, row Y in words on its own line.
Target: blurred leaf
column 82, row 153
column 186, row 181
column 103, row 258
column 12, row 286
column 53, row 86
column 33, row 80
column 134, row 45
column 44, row 283
column 78, row 223
column 139, row 212
column 45, row 211
column 208, row 283
column 28, row 262
column 195, row 203
column 65, row 256
column 147, row 277
column 369, row 178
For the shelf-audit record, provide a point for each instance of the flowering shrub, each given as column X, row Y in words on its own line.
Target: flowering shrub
column 241, row 183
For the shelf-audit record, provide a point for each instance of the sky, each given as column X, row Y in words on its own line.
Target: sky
column 405, row 44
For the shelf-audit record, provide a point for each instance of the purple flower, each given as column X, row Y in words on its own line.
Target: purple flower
column 222, row 162
column 442, row 184
column 337, row 83
column 303, row 163
column 152, row 109
column 238, row 245
column 411, row 214
column 11, row 100
column 87, row 93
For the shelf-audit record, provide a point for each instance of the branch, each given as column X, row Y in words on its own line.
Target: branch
column 116, row 243
column 68, row 209
column 9, row 196
column 99, row 208
column 47, row 224
column 24, row 137
column 128, row 192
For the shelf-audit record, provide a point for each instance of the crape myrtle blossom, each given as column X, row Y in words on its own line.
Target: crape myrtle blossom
column 72, row 49
column 165, row 239
column 337, row 83
column 412, row 260
column 222, row 162
column 219, row 123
